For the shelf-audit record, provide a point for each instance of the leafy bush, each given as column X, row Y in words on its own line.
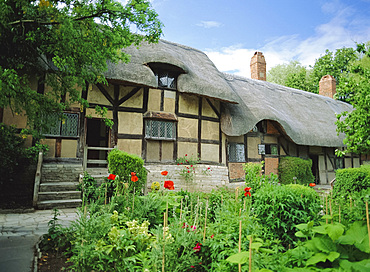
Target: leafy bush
column 12, row 152
column 89, row 188
column 294, row 167
column 123, row 164
column 352, row 179
column 280, row 208
column 331, row 246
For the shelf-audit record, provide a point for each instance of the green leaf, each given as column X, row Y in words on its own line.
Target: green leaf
column 300, row 234
column 356, row 235
column 266, row 250
column 334, row 231
column 319, row 229
column 239, row 258
column 322, row 257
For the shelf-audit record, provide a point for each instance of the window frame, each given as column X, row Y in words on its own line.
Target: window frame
column 263, row 148
column 150, row 122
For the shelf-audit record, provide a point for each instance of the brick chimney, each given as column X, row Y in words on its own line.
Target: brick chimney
column 258, row 66
column 327, row 86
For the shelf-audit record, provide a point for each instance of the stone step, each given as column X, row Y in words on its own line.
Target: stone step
column 58, row 186
column 67, row 203
column 59, row 195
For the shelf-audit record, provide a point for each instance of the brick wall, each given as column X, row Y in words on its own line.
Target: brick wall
column 236, row 170
column 271, row 166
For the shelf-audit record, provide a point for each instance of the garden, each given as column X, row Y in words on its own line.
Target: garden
column 266, row 225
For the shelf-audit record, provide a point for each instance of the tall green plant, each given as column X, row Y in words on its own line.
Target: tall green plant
column 123, row 164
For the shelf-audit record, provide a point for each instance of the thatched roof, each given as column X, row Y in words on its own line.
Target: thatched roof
column 200, row 75
column 307, row 118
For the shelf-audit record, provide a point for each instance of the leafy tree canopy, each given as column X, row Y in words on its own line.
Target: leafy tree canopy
column 295, row 75
column 292, row 75
column 64, row 44
column 356, row 89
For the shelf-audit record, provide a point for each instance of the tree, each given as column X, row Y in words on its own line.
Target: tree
column 356, row 124
column 334, row 64
column 64, row 44
column 292, row 75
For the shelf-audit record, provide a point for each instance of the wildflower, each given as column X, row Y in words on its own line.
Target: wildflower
column 197, row 248
column 134, row 178
column 164, row 173
column 186, row 154
column 192, row 266
column 212, row 235
column 133, row 174
column 112, row 177
column 191, row 165
column 188, row 171
column 168, row 184
column 247, row 191
column 312, row 184
column 193, row 227
column 155, row 186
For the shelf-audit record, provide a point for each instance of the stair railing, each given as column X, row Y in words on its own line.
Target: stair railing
column 87, row 161
column 36, row 187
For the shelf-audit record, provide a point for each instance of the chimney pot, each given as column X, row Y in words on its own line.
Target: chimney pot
column 258, row 66
column 327, row 86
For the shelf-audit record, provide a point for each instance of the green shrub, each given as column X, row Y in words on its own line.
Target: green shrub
column 280, row 208
column 290, row 167
column 352, row 179
column 123, row 164
column 254, row 177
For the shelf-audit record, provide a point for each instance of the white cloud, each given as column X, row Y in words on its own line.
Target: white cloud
column 209, row 24
column 343, row 30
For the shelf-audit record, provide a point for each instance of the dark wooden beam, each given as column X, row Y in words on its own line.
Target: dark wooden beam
column 105, row 93
column 213, row 107
column 129, row 95
column 200, row 105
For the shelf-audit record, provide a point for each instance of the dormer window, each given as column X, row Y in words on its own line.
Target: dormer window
column 166, row 75
column 166, row 79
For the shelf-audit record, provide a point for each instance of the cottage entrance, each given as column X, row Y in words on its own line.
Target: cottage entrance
column 315, row 167
column 97, row 136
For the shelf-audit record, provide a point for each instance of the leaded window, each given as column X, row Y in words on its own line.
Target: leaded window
column 166, row 79
column 65, row 124
column 236, row 152
column 160, row 130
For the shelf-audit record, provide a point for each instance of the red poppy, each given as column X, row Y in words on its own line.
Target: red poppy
column 186, row 154
column 212, row 235
column 134, row 178
column 191, row 165
column 112, row 177
column 197, row 248
column 168, row 184
column 247, row 193
column 133, row 174
column 164, row 173
column 247, row 189
column 312, row 184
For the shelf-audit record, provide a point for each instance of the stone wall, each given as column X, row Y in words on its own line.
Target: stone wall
column 61, row 172
column 206, row 177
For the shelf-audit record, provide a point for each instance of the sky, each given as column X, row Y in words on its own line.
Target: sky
column 230, row 31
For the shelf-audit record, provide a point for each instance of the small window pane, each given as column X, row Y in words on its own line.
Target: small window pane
column 156, row 129
column 236, row 152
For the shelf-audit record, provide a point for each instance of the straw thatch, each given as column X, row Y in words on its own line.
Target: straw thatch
column 199, row 76
column 307, row 118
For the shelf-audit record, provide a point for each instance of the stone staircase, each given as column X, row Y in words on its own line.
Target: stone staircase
column 58, row 186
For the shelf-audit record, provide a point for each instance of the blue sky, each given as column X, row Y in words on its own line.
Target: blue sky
column 230, row 31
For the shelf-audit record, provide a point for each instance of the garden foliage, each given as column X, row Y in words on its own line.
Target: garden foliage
column 350, row 180
column 280, row 208
column 294, row 167
column 123, row 164
column 195, row 231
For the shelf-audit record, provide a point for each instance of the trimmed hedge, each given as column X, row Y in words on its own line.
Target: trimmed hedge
column 290, row 167
column 122, row 164
column 352, row 179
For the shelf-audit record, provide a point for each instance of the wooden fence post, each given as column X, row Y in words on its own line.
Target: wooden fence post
column 37, row 179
